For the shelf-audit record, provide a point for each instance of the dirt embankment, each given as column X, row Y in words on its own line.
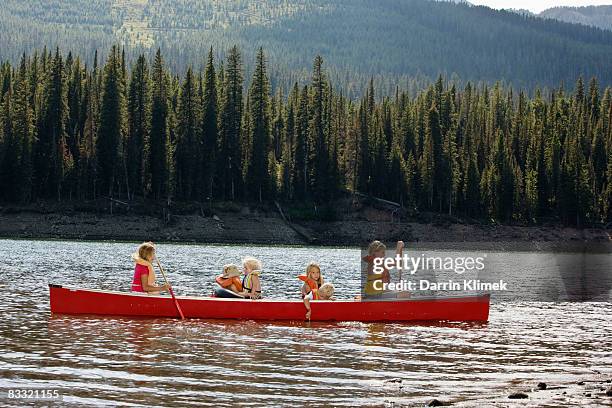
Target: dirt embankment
column 351, row 225
column 183, row 228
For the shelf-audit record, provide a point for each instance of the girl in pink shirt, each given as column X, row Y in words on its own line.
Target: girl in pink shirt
column 144, row 274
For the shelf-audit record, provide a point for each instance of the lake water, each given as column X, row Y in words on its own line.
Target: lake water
column 163, row 362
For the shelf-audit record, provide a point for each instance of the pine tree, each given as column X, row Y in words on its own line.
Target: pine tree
column 210, row 130
column 229, row 163
column 10, row 149
column 318, row 154
column 75, row 114
column 428, row 160
column 110, row 131
column 139, row 115
column 380, row 165
column 288, row 154
column 606, row 215
column 301, row 168
column 87, row 165
column 50, row 149
column 452, row 173
column 159, row 140
column 257, row 178
column 599, row 158
column 23, row 133
column 364, row 163
column 188, row 146
column 397, row 170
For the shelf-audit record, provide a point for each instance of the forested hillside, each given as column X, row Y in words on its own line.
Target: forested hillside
column 596, row 16
column 407, row 42
column 68, row 132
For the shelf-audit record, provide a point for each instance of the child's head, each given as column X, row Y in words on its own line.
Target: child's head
column 313, row 271
column 250, row 264
column 230, row 270
column 146, row 251
column 326, row 291
column 377, row 249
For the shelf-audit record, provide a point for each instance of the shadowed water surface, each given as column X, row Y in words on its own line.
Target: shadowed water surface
column 161, row 362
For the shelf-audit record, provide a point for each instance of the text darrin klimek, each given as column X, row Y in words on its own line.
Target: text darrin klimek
column 459, row 265
column 449, row 285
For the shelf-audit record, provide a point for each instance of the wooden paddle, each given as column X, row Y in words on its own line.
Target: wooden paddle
column 170, row 290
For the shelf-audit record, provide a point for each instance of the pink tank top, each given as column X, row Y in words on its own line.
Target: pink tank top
column 139, row 271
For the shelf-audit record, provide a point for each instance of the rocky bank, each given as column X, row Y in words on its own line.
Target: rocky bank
column 351, row 225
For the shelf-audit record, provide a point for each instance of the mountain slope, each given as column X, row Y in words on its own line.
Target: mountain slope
column 596, row 16
column 357, row 38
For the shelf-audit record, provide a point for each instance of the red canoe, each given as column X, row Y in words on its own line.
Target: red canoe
column 66, row 300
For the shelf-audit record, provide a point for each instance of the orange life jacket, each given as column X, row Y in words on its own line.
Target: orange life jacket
column 227, row 282
column 312, row 284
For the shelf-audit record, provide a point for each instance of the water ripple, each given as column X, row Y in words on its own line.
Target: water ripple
column 161, row 362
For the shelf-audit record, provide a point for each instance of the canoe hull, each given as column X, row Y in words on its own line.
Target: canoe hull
column 65, row 300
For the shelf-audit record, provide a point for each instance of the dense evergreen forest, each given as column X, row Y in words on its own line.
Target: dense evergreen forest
column 397, row 42
column 71, row 132
column 596, row 16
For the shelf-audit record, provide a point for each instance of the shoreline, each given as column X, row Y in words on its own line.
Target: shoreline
column 249, row 227
column 593, row 389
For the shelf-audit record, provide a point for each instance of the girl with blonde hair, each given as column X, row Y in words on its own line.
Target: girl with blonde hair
column 374, row 281
column 144, row 274
column 313, row 279
column 251, row 283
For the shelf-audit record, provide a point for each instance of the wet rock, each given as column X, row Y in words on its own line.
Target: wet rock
column 580, row 383
column 609, row 381
column 518, row 395
column 564, row 393
column 588, row 394
column 609, row 392
column 438, row 403
column 542, row 386
column 394, row 380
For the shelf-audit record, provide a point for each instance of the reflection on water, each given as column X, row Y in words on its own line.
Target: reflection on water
column 163, row 362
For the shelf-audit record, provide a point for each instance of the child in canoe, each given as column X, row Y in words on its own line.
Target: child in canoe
column 313, row 280
column 144, row 274
column 251, row 284
column 376, row 250
column 229, row 282
column 326, row 292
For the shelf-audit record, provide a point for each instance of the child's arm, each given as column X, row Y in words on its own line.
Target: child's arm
column 307, row 305
column 151, row 275
column 304, row 289
column 151, row 287
column 255, row 286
